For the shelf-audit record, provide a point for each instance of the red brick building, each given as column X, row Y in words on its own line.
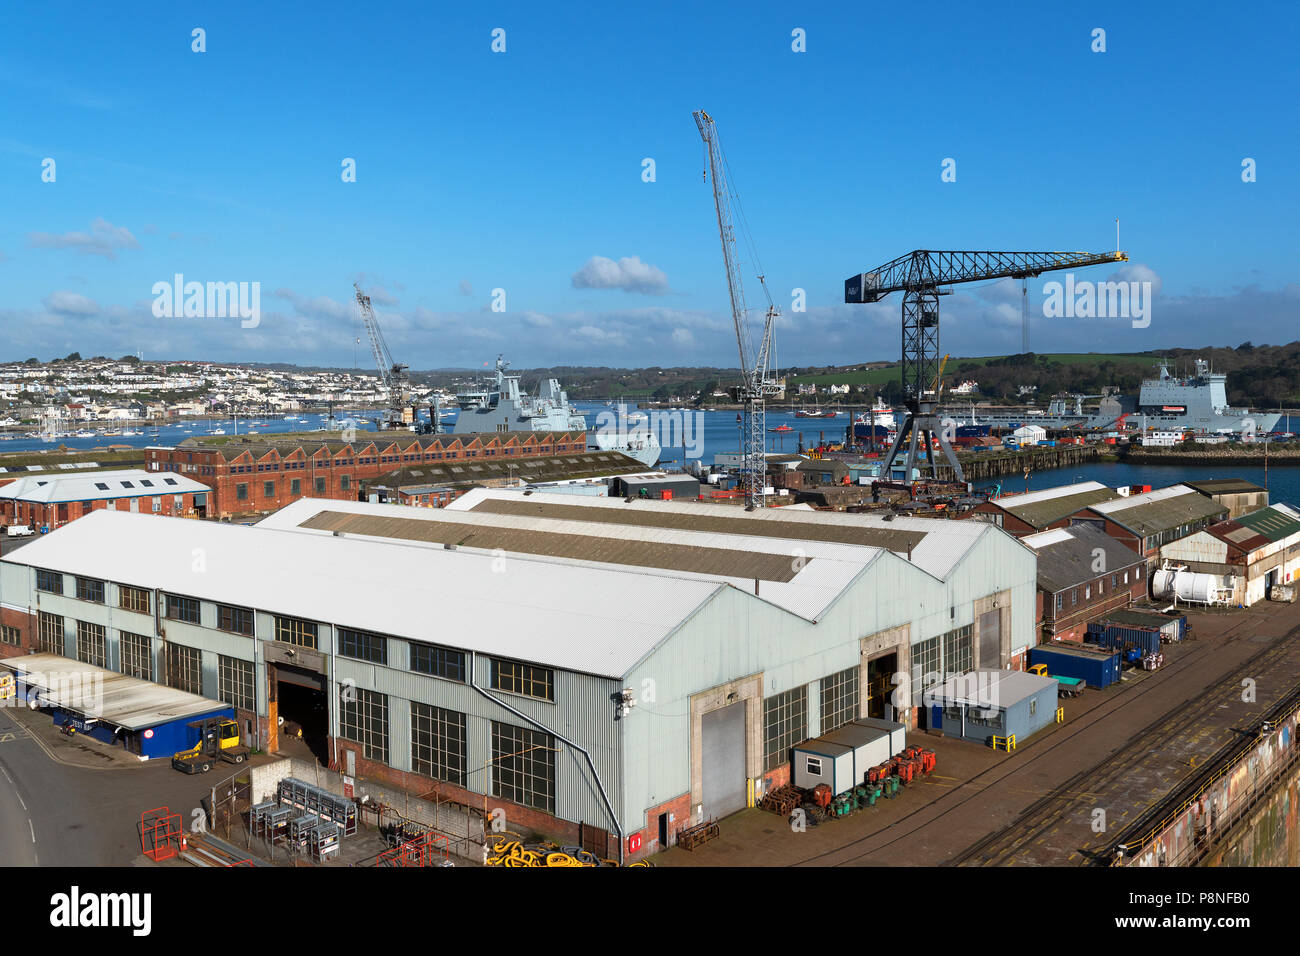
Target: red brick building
column 48, row 499
column 1037, row 511
column 1082, row 574
column 254, row 476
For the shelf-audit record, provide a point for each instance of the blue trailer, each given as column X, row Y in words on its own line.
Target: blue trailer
column 1100, row 668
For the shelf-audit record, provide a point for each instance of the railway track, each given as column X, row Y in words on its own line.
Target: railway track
column 1196, row 719
column 1034, row 751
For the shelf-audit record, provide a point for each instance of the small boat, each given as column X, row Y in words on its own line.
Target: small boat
column 781, row 428
column 217, row 431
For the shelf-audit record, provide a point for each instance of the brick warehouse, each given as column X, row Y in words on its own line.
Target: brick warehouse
column 52, row 499
column 572, row 660
column 254, row 476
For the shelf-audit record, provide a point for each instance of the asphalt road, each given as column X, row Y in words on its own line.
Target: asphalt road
column 55, row 814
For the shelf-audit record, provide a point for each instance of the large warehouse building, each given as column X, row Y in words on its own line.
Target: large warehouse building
column 630, row 666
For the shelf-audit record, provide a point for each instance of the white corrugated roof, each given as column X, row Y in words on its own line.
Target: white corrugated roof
column 990, row 688
column 591, row 619
column 1134, row 501
column 946, row 542
column 822, row 569
column 1061, row 491
column 114, row 698
column 1045, row 538
column 48, row 488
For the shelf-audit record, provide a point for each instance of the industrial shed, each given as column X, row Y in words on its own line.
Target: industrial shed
column 983, row 704
column 1255, row 552
column 1148, row 521
column 666, row 487
column 1239, row 496
column 1036, row 511
column 149, row 720
column 658, row 660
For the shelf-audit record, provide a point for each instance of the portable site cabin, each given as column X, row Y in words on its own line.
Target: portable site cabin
column 149, row 720
column 842, row 758
column 983, row 704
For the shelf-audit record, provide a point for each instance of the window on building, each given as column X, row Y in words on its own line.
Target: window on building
column 1126, row 577
column 363, row 718
column 89, row 589
column 523, row 766
column 133, row 599
column 9, row 635
column 363, row 646
column 1033, row 706
column 268, row 489
column 839, row 699
column 515, row 677
column 958, row 650
column 1060, row 601
column 295, row 486
column 345, row 482
column 185, row 668
column 136, row 654
column 1087, row 592
column 238, row 620
column 51, row 581
column 320, row 486
column 241, row 492
column 925, row 667
column 1074, row 596
column 157, row 505
column 813, row 765
column 438, row 661
column 785, row 723
column 182, row 609
column 1114, row 581
column 291, row 630
column 235, row 682
column 90, row 644
column 438, row 743
column 49, row 633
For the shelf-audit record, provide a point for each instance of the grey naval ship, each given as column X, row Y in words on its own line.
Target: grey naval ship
column 1196, row 402
column 498, row 404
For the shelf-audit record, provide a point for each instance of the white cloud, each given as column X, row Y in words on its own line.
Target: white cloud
column 683, row 337
column 70, row 303
column 1138, row 272
column 629, row 274
column 104, row 239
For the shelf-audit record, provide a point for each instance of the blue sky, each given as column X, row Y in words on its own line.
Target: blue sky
column 479, row 170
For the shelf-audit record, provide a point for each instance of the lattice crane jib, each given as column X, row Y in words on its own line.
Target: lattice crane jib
column 921, row 276
column 756, row 382
column 394, row 376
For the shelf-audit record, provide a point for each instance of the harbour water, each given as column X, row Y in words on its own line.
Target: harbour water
column 708, row 433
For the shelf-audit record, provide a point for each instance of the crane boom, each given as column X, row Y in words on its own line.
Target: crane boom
column 755, row 381
column 394, row 376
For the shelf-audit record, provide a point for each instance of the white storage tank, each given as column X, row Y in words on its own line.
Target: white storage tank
column 1195, row 587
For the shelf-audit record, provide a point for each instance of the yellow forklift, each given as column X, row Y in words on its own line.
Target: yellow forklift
column 218, row 740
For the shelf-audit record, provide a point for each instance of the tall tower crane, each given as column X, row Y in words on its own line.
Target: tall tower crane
column 919, row 275
column 396, row 378
column 756, row 381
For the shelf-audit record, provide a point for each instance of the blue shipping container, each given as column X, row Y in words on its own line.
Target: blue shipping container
column 1121, row 637
column 1098, row 668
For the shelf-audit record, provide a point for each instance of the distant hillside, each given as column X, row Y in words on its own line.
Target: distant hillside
column 1260, row 376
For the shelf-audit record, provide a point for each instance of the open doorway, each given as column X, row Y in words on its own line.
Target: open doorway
column 301, row 712
column 880, row 685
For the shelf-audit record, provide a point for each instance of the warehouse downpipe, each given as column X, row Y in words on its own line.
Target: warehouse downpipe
column 473, row 658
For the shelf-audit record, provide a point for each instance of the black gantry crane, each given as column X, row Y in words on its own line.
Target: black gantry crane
column 919, row 276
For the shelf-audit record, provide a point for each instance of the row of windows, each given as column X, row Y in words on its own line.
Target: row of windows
column 450, row 455
column 92, row 589
column 514, row 677
column 1087, row 590
column 321, row 486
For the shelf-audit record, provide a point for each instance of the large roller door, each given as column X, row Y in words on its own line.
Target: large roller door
column 724, row 760
column 990, row 641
